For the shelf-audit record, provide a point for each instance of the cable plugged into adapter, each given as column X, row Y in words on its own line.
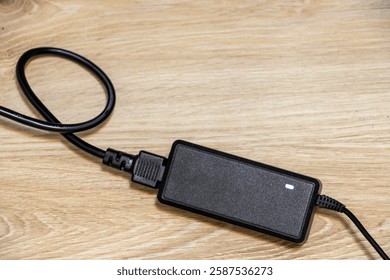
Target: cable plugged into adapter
column 147, row 168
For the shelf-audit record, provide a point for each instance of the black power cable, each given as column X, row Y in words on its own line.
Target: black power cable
column 147, row 168
column 324, row 201
column 52, row 123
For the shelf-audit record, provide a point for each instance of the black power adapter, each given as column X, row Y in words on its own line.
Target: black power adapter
column 239, row 191
column 195, row 178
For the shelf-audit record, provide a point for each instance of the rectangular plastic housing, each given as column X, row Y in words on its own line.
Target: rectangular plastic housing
column 239, row 191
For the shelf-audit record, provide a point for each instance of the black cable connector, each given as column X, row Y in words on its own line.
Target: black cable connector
column 147, row 168
column 324, row 201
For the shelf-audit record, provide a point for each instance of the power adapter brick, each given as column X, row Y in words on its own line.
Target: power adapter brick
column 239, row 191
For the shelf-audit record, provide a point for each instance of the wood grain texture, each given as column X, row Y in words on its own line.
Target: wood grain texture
column 303, row 85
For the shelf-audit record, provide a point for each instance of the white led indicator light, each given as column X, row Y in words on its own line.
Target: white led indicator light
column 288, row 186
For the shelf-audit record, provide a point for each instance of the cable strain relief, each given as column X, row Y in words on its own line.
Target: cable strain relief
column 324, row 201
column 118, row 160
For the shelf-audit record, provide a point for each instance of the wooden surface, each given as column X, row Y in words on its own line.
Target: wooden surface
column 303, row 85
